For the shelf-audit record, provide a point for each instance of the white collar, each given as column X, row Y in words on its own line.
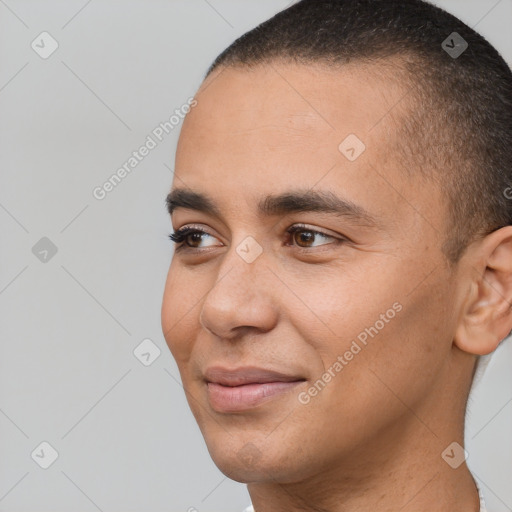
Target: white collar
column 482, row 502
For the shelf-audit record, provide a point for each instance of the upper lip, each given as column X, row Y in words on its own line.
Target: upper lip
column 246, row 375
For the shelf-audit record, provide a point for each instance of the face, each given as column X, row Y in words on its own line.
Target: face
column 341, row 288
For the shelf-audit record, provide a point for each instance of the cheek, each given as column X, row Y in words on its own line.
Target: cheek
column 180, row 313
column 377, row 341
column 404, row 354
column 337, row 306
column 376, row 323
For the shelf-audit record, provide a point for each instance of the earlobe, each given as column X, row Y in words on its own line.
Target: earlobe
column 486, row 318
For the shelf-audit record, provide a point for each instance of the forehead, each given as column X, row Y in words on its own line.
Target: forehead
column 308, row 102
column 271, row 127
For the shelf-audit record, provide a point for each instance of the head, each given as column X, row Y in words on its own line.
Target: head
column 344, row 181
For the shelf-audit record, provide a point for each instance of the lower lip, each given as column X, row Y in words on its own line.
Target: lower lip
column 238, row 398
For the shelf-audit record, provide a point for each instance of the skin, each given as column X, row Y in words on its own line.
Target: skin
column 372, row 438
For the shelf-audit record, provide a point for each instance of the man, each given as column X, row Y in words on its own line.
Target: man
column 342, row 216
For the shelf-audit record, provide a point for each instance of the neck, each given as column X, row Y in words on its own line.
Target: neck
column 400, row 470
column 400, row 484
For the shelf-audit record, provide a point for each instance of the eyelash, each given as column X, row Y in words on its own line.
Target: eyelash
column 180, row 235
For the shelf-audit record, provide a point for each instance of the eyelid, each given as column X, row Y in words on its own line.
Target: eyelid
column 198, row 227
column 306, row 227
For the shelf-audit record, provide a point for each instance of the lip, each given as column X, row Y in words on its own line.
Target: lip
column 238, row 389
column 246, row 375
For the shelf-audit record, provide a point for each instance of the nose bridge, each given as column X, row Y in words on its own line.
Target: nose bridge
column 241, row 295
column 244, row 266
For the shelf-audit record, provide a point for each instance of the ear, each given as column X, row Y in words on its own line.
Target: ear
column 487, row 315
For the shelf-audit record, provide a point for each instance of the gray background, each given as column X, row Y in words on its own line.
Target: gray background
column 124, row 434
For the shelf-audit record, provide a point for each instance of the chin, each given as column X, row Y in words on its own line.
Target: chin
column 246, row 463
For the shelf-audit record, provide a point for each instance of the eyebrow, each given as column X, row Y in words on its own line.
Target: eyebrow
column 294, row 201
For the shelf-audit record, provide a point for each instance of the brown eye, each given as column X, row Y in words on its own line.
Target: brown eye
column 191, row 238
column 194, row 238
column 305, row 238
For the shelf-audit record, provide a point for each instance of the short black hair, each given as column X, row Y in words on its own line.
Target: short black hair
column 458, row 119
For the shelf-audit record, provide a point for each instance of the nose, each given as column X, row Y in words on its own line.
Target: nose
column 242, row 298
